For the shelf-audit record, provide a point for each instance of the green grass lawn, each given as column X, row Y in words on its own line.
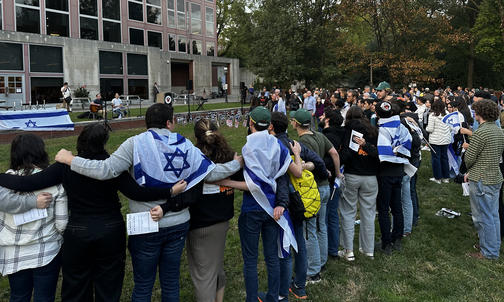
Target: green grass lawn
column 432, row 266
column 177, row 109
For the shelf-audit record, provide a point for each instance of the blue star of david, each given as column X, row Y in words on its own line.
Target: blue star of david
column 32, row 123
column 171, row 156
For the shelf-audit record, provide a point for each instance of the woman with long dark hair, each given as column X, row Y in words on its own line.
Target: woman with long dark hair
column 210, row 217
column 439, row 138
column 30, row 252
column 361, row 185
column 94, row 248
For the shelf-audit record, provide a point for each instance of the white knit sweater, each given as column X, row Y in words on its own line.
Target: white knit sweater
column 440, row 133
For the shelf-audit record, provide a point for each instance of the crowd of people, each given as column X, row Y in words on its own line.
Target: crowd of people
column 354, row 151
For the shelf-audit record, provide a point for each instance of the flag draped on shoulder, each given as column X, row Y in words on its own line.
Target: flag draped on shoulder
column 454, row 120
column 266, row 159
column 393, row 139
column 162, row 160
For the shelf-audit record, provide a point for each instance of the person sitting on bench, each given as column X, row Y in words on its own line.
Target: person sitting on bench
column 118, row 107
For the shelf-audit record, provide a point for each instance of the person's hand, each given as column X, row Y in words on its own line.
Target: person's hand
column 296, row 147
column 466, row 177
column 156, row 213
column 179, row 187
column 64, row 156
column 465, row 146
column 278, row 212
column 329, row 173
column 239, row 159
column 43, row 200
column 359, row 140
column 465, row 131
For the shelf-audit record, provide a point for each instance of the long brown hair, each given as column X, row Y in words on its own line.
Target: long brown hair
column 211, row 142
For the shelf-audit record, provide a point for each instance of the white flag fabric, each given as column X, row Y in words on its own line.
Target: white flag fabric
column 453, row 120
column 36, row 120
column 163, row 160
column 393, row 139
column 266, row 159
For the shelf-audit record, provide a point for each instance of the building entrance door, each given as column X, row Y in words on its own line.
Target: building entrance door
column 12, row 90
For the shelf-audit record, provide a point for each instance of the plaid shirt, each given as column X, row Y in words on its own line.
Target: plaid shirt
column 484, row 154
column 34, row 244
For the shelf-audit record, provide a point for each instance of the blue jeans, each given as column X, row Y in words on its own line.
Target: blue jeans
column 440, row 167
column 300, row 266
column 407, row 204
column 332, row 221
column 325, row 194
column 163, row 249
column 41, row 281
column 312, row 246
column 485, row 215
column 316, row 235
column 414, row 196
column 251, row 225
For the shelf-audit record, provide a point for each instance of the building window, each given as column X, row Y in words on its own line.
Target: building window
column 89, row 28
column 61, row 5
column 139, row 87
column 136, row 36
column 111, row 9
column 135, row 10
column 182, row 44
column 196, row 47
column 88, row 19
column 171, row 42
column 195, row 19
column 112, row 31
column 46, row 59
column 137, row 64
column 88, row 7
column 171, row 13
column 11, row 56
column 109, row 87
column 46, row 89
column 209, row 22
column 155, row 39
column 56, row 23
column 28, row 16
column 181, row 21
column 154, row 11
column 210, row 49
column 111, row 62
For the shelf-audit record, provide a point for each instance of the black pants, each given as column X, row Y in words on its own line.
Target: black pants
column 389, row 199
column 94, row 253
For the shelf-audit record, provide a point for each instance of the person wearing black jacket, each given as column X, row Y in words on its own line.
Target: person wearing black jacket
column 361, row 185
column 334, row 132
column 94, row 247
column 278, row 128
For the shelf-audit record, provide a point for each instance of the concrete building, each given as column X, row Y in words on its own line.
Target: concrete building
column 110, row 46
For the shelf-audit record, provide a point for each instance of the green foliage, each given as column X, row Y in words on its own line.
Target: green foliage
column 81, row 92
column 489, row 29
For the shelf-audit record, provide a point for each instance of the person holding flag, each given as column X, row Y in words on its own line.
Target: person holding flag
column 394, row 144
column 439, row 138
column 454, row 119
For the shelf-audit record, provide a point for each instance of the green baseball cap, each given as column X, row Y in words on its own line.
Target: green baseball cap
column 260, row 116
column 301, row 116
column 383, row 86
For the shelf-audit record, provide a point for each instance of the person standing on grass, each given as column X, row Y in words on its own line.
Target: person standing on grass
column 439, row 138
column 361, row 185
column 157, row 157
column 485, row 179
column 315, row 228
column 394, row 144
column 30, row 252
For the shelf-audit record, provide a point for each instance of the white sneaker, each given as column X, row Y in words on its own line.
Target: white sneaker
column 425, row 148
column 370, row 255
column 446, row 180
column 347, row 255
column 435, row 180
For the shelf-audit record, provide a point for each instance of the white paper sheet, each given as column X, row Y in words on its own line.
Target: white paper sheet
column 465, row 189
column 410, row 169
column 31, row 215
column 141, row 223
column 353, row 145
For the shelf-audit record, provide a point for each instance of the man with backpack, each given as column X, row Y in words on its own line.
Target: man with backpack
column 278, row 128
column 316, row 228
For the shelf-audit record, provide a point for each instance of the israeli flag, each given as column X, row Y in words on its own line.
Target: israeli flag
column 36, row 120
column 453, row 161
column 162, row 160
column 266, row 159
column 453, row 120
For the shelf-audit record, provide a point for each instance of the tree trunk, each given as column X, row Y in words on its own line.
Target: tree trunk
column 470, row 66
